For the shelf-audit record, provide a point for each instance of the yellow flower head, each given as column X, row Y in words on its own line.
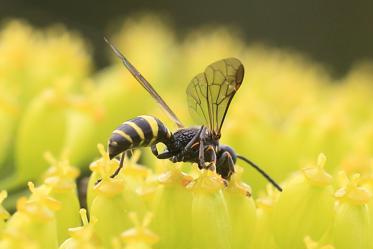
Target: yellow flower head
column 351, row 192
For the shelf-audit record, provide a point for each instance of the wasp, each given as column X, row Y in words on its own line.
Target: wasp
column 209, row 95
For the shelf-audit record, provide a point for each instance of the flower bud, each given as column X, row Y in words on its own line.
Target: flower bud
column 172, row 211
column 61, row 177
column 305, row 207
column 60, row 56
column 18, row 44
column 352, row 228
column 263, row 237
column 139, row 237
column 210, row 219
column 82, row 237
column 241, row 210
column 109, row 209
column 103, row 167
column 41, row 126
column 112, row 199
column 81, row 136
column 34, row 222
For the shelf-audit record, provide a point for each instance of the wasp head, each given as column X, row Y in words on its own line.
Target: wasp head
column 214, row 137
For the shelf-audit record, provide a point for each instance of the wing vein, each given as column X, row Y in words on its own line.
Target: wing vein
column 222, row 79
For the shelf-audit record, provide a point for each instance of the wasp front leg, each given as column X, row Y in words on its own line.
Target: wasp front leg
column 225, row 165
column 201, row 153
column 194, row 140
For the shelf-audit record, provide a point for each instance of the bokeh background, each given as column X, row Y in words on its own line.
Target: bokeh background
column 335, row 33
column 303, row 113
column 297, row 57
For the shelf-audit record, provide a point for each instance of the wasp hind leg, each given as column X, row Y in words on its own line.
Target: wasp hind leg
column 120, row 166
column 121, row 162
column 164, row 155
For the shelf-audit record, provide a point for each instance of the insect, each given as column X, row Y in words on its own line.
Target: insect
column 209, row 95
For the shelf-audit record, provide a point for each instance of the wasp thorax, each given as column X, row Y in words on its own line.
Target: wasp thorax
column 181, row 138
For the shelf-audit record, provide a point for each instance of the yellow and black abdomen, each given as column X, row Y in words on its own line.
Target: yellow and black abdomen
column 141, row 131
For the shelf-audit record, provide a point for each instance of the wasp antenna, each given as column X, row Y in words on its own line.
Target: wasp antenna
column 117, row 52
column 261, row 172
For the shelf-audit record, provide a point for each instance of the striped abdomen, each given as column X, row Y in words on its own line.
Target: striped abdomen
column 141, row 131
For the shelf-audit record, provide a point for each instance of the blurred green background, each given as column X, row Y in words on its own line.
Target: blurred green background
column 336, row 33
column 307, row 88
column 303, row 113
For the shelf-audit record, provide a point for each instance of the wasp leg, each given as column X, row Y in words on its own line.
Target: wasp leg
column 201, row 156
column 201, row 153
column 225, row 165
column 129, row 153
column 120, row 166
column 210, row 155
column 164, row 155
column 116, row 171
column 154, row 150
column 194, row 139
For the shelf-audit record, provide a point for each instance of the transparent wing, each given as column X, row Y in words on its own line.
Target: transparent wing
column 138, row 76
column 210, row 93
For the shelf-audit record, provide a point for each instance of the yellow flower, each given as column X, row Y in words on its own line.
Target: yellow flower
column 306, row 207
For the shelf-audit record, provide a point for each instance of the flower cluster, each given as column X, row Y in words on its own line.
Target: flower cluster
column 183, row 207
column 288, row 112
